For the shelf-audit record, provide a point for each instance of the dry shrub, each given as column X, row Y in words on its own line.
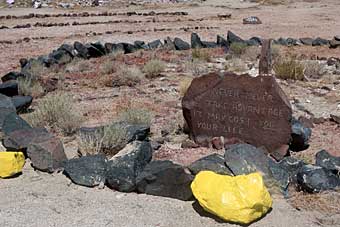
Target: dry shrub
column 133, row 115
column 153, row 68
column 56, row 111
column 276, row 52
column 36, row 70
column 108, row 140
column 127, row 75
column 236, row 65
column 289, row 69
column 251, row 53
column 107, row 67
column 238, row 48
column 196, row 67
column 184, row 85
column 314, row 69
column 200, row 54
column 79, row 65
column 30, row 86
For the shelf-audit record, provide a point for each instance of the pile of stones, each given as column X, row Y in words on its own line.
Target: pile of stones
column 132, row 168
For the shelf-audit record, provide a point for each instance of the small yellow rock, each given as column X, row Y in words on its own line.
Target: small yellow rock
column 240, row 199
column 11, row 163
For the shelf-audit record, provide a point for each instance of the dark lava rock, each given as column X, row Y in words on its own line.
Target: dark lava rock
column 12, row 76
column 22, row 103
column 88, row 171
column 315, row 179
column 213, row 162
column 196, row 41
column 300, row 136
column 155, row 44
column 68, row 48
column 207, row 44
column 245, row 159
column 232, row 38
column 285, row 171
column 279, row 174
column 307, row 41
column 337, row 37
column 181, row 45
column 13, row 122
column 334, row 43
column 282, row 41
column 222, row 42
column 21, row 138
column 46, row 155
column 169, row 44
column 93, row 51
column 9, row 88
column 254, row 41
column 164, row 178
column 60, row 57
column 114, row 48
column 81, row 49
column 23, row 62
column 124, row 167
column 293, row 42
column 327, row 161
column 100, row 47
column 128, row 48
column 140, row 44
column 6, row 103
column 320, row 42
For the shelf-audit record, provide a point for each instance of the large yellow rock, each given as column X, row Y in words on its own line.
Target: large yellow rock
column 240, row 199
column 11, row 163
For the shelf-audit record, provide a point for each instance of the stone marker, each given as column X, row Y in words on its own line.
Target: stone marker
column 265, row 64
column 252, row 109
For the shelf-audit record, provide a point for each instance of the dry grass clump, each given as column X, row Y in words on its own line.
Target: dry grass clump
column 237, row 48
column 56, row 111
column 251, row 53
column 314, row 69
column 236, row 65
column 153, row 68
column 196, row 67
column 200, row 54
column 30, row 86
column 107, row 67
column 184, row 85
column 108, row 140
column 133, row 115
column 127, row 75
column 289, row 69
column 36, row 69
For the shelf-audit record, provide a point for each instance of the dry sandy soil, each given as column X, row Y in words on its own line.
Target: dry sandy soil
column 38, row 199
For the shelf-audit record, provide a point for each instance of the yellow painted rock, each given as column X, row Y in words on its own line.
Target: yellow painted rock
column 11, row 163
column 240, row 199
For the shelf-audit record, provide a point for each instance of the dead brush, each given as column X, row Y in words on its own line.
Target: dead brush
column 237, row 48
column 56, row 111
column 30, row 86
column 196, row 67
column 314, row 69
column 127, row 75
column 200, row 54
column 135, row 115
column 289, row 69
column 153, row 68
column 108, row 140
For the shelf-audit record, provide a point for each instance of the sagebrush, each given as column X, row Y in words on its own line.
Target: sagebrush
column 289, row 69
column 56, row 111
column 153, row 68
